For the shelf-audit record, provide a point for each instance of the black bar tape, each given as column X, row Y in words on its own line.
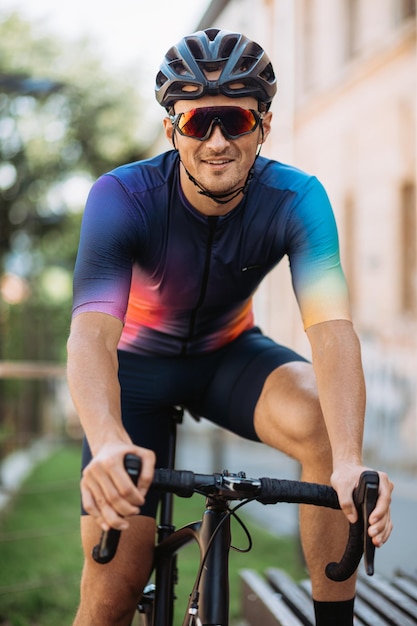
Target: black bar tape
column 274, row 490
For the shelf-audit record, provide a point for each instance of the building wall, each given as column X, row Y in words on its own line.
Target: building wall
column 346, row 112
column 355, row 127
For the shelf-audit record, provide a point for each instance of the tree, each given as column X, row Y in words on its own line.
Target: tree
column 64, row 120
column 61, row 116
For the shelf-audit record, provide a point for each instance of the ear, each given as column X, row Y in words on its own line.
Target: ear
column 266, row 125
column 169, row 130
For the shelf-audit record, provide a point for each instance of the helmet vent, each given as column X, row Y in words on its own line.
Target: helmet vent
column 243, row 69
column 160, row 79
column 195, row 49
column 179, row 68
column 212, row 33
column 253, row 49
column 246, row 63
column 210, row 66
column 172, row 54
column 228, row 45
column 268, row 74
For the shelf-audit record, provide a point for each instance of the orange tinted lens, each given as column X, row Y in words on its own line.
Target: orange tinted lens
column 233, row 120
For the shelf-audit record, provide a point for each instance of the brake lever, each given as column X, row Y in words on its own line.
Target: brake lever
column 365, row 497
column 106, row 548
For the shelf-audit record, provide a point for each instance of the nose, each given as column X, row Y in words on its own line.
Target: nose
column 217, row 141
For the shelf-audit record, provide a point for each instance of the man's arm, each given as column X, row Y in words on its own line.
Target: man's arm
column 107, row 492
column 340, row 380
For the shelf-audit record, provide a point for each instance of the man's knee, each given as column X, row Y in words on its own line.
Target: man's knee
column 107, row 599
column 110, row 593
column 288, row 415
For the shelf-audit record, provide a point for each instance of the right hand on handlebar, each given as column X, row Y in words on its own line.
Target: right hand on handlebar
column 108, row 494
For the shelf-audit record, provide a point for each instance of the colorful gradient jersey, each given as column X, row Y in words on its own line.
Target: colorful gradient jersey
column 181, row 282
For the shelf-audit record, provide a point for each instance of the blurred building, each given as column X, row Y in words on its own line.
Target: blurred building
column 346, row 112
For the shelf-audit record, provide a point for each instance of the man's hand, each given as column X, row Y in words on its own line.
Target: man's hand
column 108, row 493
column 344, row 479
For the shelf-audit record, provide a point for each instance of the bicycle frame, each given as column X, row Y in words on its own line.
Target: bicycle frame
column 213, row 597
column 212, row 531
column 209, row 600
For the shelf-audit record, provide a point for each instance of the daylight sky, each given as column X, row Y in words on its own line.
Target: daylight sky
column 131, row 33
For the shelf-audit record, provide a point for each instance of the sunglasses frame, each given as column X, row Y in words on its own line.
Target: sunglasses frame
column 175, row 119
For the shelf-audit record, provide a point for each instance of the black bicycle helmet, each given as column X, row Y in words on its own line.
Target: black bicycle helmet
column 245, row 69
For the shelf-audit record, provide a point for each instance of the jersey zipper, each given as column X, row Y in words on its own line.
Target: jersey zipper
column 212, row 222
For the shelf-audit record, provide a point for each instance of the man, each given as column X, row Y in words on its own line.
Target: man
column 171, row 252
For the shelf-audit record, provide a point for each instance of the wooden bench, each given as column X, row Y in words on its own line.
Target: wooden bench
column 276, row 600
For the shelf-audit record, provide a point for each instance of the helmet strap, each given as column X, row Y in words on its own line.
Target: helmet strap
column 222, row 198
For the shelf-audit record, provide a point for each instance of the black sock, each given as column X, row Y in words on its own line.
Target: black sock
column 334, row 613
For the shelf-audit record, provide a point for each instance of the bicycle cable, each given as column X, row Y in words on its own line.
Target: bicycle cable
column 243, row 526
column 230, row 512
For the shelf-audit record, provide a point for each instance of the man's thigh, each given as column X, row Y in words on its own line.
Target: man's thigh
column 223, row 386
column 231, row 397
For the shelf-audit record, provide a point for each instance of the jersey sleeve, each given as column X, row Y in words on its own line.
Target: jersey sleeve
column 317, row 276
column 111, row 233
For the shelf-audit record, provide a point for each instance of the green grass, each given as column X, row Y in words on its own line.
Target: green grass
column 40, row 552
column 41, row 558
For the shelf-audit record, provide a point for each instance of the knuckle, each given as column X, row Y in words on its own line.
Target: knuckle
column 87, row 472
column 90, row 509
column 146, row 479
column 100, row 501
column 346, row 504
column 148, row 455
column 125, row 492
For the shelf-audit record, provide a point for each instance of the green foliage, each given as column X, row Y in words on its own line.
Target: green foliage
column 61, row 115
column 64, row 120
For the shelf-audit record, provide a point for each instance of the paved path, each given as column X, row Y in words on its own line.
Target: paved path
column 205, row 449
column 17, row 467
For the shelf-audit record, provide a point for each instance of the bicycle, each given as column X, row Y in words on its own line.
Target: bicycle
column 209, row 599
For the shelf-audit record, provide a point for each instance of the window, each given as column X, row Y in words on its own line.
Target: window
column 307, row 20
column 352, row 28
column 350, row 249
column 408, row 249
column 403, row 10
column 406, row 8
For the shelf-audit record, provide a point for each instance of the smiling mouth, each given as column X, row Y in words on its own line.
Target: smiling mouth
column 218, row 162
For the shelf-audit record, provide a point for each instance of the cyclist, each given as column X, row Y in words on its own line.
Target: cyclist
column 171, row 252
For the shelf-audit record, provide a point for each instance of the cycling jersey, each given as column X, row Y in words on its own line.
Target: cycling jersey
column 182, row 282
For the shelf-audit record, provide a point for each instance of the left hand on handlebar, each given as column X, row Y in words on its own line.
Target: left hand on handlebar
column 344, row 479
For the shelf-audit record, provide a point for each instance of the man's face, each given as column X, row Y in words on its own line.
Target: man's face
column 219, row 164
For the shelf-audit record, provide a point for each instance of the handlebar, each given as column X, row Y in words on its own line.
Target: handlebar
column 365, row 497
column 105, row 550
column 267, row 491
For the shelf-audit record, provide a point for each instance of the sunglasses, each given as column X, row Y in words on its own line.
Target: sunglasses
column 233, row 121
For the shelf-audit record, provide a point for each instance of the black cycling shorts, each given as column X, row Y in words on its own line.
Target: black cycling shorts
column 222, row 386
